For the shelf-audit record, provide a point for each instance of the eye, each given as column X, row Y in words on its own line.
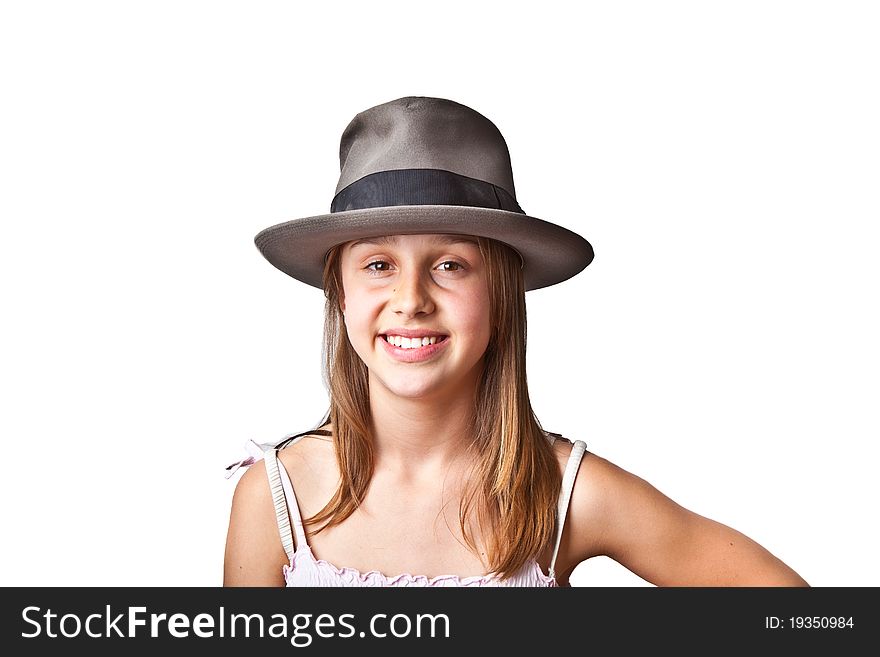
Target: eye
column 456, row 267
column 375, row 262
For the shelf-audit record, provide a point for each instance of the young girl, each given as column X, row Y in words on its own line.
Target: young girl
column 430, row 467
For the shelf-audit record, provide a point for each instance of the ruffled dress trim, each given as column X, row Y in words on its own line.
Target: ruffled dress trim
column 311, row 571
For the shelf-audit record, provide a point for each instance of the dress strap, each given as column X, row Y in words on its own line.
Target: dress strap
column 571, row 470
column 285, row 503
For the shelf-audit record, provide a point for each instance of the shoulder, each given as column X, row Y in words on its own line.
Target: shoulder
column 602, row 491
column 310, row 462
column 252, row 484
column 307, row 448
column 254, row 554
column 253, row 492
column 615, row 513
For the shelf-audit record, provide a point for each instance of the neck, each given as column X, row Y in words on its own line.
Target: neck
column 417, row 437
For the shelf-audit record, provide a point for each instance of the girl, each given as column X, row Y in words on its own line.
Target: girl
column 430, row 467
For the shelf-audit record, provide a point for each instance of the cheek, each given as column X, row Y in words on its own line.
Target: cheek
column 356, row 316
column 360, row 324
column 477, row 321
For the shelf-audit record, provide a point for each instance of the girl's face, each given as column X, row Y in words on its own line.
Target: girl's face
column 427, row 284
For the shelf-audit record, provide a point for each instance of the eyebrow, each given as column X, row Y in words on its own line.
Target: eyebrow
column 392, row 239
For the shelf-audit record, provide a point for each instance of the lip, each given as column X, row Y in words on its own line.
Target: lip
column 416, row 355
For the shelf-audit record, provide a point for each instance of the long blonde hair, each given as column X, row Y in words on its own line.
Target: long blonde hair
column 516, row 480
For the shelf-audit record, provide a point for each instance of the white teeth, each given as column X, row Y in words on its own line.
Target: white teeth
column 410, row 343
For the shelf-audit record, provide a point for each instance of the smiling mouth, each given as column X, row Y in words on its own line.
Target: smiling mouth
column 409, row 345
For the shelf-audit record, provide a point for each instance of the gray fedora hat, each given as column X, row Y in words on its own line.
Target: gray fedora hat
column 424, row 165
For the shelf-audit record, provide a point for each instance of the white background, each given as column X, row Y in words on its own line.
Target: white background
column 722, row 159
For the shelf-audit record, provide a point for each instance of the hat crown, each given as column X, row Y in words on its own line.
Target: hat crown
column 419, row 132
column 423, row 165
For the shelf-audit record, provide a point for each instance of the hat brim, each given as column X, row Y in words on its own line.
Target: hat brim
column 551, row 254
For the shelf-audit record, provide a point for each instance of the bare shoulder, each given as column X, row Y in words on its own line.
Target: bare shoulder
column 254, row 555
column 583, row 531
column 310, row 462
column 308, row 449
column 618, row 514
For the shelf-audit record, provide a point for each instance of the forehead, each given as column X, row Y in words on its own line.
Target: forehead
column 429, row 239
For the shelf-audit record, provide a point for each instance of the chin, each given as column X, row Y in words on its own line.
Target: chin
column 410, row 387
column 414, row 391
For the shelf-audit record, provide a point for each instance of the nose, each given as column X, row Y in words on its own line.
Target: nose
column 411, row 295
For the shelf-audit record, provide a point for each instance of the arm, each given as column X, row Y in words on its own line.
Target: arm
column 254, row 555
column 622, row 516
